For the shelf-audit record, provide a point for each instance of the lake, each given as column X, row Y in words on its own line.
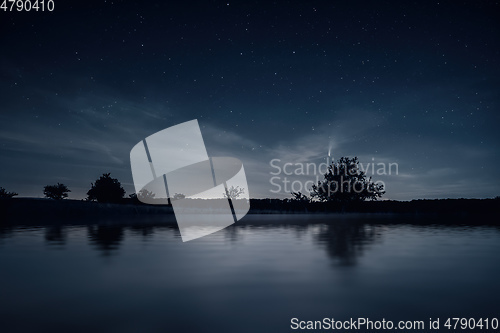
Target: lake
column 255, row 276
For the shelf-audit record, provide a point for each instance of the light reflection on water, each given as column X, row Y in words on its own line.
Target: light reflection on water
column 253, row 276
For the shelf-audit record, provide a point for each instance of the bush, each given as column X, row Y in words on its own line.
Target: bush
column 106, row 189
column 56, row 192
column 4, row 194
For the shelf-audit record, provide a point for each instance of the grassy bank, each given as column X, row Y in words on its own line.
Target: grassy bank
column 25, row 208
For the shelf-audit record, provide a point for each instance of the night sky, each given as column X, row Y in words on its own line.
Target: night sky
column 390, row 82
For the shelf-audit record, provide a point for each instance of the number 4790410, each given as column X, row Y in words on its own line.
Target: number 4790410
column 27, row 5
column 471, row 323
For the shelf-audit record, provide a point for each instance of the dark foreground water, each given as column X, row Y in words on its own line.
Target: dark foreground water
column 252, row 277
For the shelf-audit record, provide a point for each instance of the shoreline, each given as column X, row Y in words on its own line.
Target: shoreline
column 33, row 211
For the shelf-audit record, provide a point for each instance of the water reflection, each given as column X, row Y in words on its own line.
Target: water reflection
column 6, row 231
column 232, row 233
column 55, row 235
column 274, row 268
column 106, row 239
column 146, row 231
column 346, row 241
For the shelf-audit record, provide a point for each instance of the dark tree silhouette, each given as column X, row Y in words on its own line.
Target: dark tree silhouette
column 56, row 192
column 106, row 189
column 300, row 197
column 344, row 182
column 4, row 194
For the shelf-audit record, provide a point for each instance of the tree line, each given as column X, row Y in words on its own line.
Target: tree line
column 344, row 182
column 109, row 190
column 344, row 185
column 105, row 189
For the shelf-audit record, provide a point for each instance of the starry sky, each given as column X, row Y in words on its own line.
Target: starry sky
column 413, row 83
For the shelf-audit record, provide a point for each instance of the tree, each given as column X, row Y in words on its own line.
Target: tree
column 106, row 189
column 145, row 195
column 142, row 195
column 344, row 182
column 178, row 196
column 233, row 192
column 300, row 197
column 56, row 192
column 4, row 194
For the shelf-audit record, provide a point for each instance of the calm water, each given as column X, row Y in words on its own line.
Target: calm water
column 251, row 277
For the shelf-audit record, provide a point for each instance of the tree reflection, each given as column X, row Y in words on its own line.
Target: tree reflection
column 107, row 239
column 55, row 235
column 146, row 231
column 345, row 241
column 231, row 233
column 6, row 231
